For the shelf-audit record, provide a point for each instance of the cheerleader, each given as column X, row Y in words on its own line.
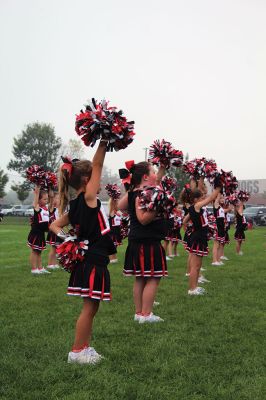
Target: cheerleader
column 52, row 239
column 175, row 235
column 198, row 240
column 219, row 239
column 90, row 278
column 145, row 256
column 115, row 224
column 187, row 224
column 227, row 228
column 241, row 226
column 39, row 225
column 167, row 244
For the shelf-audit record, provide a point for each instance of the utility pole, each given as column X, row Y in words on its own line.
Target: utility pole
column 146, row 152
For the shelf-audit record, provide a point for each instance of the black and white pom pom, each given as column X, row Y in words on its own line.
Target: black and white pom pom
column 162, row 153
column 243, row 195
column 71, row 252
column 226, row 180
column 155, row 198
column 168, row 183
column 113, row 191
column 36, row 175
column 233, row 198
column 200, row 167
column 101, row 121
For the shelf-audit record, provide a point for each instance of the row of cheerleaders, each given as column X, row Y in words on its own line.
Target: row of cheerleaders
column 84, row 240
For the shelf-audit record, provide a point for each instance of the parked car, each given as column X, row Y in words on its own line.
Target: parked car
column 29, row 212
column 255, row 215
column 19, row 210
column 7, row 210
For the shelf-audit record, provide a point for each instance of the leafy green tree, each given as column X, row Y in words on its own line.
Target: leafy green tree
column 37, row 144
column 74, row 148
column 3, row 182
column 22, row 190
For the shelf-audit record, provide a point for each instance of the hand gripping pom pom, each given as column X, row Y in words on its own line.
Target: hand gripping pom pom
column 100, row 121
column 71, row 252
column 169, row 184
column 113, row 191
column 226, row 180
column 51, row 180
column 155, row 198
column 200, row 167
column 243, row 195
column 162, row 153
column 124, row 226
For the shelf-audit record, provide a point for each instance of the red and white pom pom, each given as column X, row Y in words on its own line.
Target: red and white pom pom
column 168, row 183
column 113, row 191
column 71, row 252
column 101, row 121
column 162, row 153
column 200, row 167
column 155, row 198
column 226, row 180
column 243, row 195
column 233, row 199
column 51, row 179
column 37, row 176
column 124, row 226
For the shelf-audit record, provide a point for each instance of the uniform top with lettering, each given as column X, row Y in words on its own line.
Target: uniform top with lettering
column 40, row 220
column 115, row 220
column 199, row 219
column 53, row 215
column 155, row 230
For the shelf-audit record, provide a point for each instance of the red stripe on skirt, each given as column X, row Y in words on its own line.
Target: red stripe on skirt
column 91, row 281
column 152, row 260
column 141, row 258
column 163, row 262
column 102, row 294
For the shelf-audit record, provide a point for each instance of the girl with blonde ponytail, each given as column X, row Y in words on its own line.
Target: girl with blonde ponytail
column 90, row 278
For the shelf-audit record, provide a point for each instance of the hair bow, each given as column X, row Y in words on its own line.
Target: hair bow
column 68, row 165
column 125, row 173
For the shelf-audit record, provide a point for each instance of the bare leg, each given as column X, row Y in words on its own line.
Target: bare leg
column 149, row 294
column 238, row 246
column 52, row 256
column 34, row 259
column 215, row 251
column 39, row 259
column 84, row 323
column 220, row 251
column 196, row 262
column 189, row 263
column 137, row 293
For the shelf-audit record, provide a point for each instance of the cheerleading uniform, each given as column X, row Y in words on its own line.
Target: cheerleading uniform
column 115, row 226
column 241, row 226
column 220, row 223
column 227, row 228
column 198, row 239
column 170, row 226
column 52, row 239
column 187, row 235
column 90, row 277
column 145, row 255
column 39, row 225
column 175, row 234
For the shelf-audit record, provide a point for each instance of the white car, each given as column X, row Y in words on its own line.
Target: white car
column 29, row 212
column 7, row 210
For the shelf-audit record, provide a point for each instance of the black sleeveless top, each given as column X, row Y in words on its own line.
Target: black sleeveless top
column 155, row 230
column 241, row 223
column 40, row 220
column 199, row 220
column 220, row 217
column 91, row 224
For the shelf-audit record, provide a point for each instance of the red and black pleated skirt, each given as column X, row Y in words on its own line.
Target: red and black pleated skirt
column 91, row 279
column 115, row 234
column 240, row 235
column 198, row 244
column 226, row 238
column 145, row 259
column 52, row 239
column 36, row 240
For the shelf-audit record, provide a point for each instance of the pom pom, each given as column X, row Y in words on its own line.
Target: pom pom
column 226, row 180
column 162, row 153
column 113, row 191
column 100, row 121
column 200, row 167
column 243, row 195
column 169, row 184
column 155, row 198
column 51, row 180
column 37, row 176
column 71, row 252
column 124, row 226
column 233, row 199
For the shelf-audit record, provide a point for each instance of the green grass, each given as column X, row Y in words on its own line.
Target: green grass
column 210, row 347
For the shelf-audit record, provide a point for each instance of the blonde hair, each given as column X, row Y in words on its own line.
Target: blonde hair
column 80, row 170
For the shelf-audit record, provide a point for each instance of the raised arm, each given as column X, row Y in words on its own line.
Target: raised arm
column 94, row 182
column 207, row 200
column 160, row 174
column 217, row 200
column 36, row 198
column 51, row 199
column 123, row 203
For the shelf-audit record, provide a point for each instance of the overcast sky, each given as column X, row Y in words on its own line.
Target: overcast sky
column 192, row 72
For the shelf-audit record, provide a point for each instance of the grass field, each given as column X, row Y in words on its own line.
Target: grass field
column 210, row 347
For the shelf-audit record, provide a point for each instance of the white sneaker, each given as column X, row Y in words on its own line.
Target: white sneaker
column 150, row 319
column 114, row 261
column 156, row 303
column 240, row 253
column 221, row 263
column 203, row 269
column 224, row 258
column 35, row 271
column 137, row 317
column 52, row 266
column 85, row 356
column 168, row 258
column 216, row 263
column 43, row 271
column 187, row 274
column 196, row 292
column 201, row 289
column 93, row 353
column 202, row 279
column 171, row 255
